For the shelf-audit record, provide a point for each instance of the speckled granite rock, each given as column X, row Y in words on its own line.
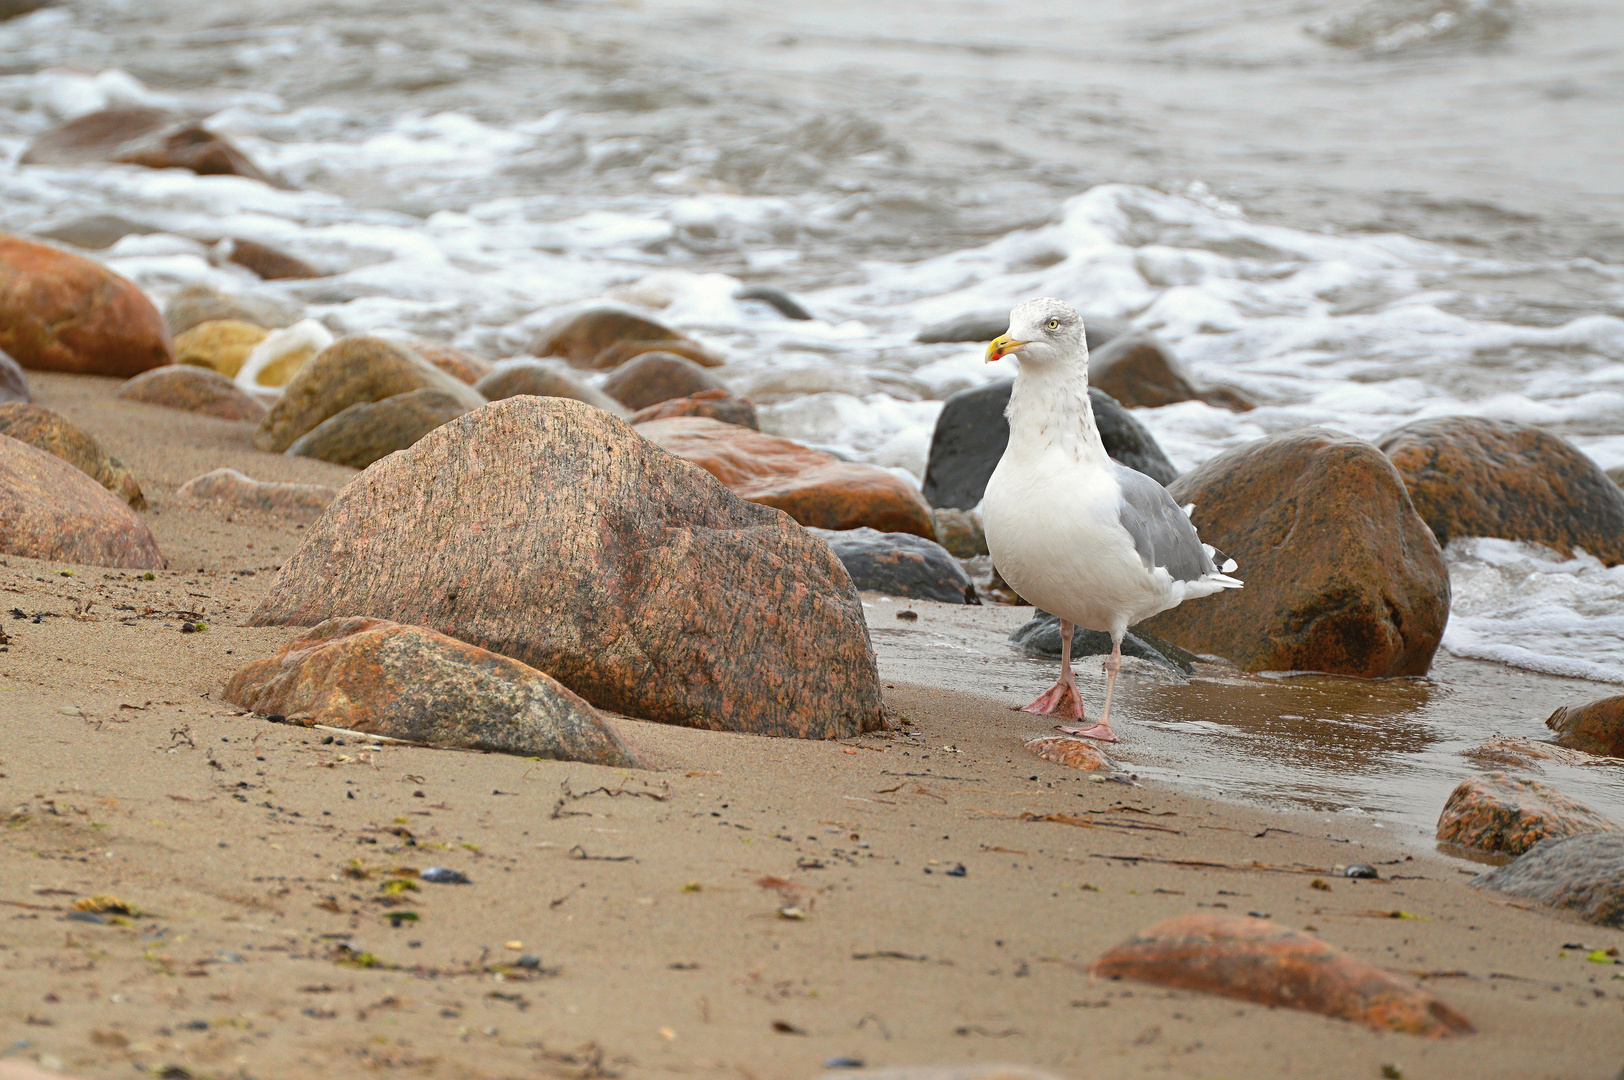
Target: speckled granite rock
column 1583, row 874
column 543, row 380
column 296, row 502
column 43, row 429
column 1498, row 812
column 194, row 389
column 51, row 510
column 369, row 430
column 654, row 377
column 710, row 404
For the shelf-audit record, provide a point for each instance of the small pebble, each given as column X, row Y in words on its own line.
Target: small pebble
column 908, row 616
column 441, row 875
column 529, row 961
column 958, row 871
column 1360, row 870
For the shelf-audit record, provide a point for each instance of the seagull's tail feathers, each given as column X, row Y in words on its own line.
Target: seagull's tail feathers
column 1224, row 566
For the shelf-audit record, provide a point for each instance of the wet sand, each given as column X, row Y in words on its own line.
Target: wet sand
column 655, row 905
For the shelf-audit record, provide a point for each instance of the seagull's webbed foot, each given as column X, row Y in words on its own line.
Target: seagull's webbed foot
column 1101, row 731
column 1061, row 698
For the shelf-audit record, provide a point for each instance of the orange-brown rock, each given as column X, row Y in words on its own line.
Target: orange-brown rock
column 1257, row 960
column 369, row 430
column 711, row 404
column 813, row 487
column 13, row 383
column 1519, row 752
column 351, row 370
column 1084, row 754
column 266, row 262
column 154, row 138
column 51, row 510
column 1341, row 574
column 1596, row 727
column 195, row 389
column 622, row 351
column 409, row 682
column 546, row 530
column 1500, row 813
column 581, row 335
column 45, row 430
column 1472, row 477
column 1141, row 371
column 296, row 502
column 62, row 312
column 542, row 379
column 460, row 365
column 221, row 345
column 654, row 377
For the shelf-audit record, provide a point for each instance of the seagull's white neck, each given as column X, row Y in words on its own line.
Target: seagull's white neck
column 1049, row 413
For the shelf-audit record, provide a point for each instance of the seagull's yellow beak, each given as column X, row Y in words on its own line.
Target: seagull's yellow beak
column 1001, row 347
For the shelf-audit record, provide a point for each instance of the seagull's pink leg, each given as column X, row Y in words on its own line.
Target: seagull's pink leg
column 1102, row 730
column 1063, row 695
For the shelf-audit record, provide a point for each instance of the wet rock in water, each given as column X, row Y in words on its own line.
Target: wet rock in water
column 1472, row 477
column 349, row 371
column 654, row 377
column 10, row 9
column 198, row 304
column 1522, row 753
column 959, row 531
column 264, row 261
column 1139, row 370
column 62, row 312
column 1084, row 754
column 710, row 404
column 971, row 433
column 585, row 338
column 13, row 383
column 1040, row 636
column 295, row 502
column 369, row 430
column 45, row 430
column 221, row 345
column 813, row 487
column 1341, row 574
column 409, row 682
column 781, row 301
column 900, row 564
column 645, row 586
column 538, row 379
column 622, row 351
column 1583, row 874
column 460, row 365
column 194, row 389
column 1596, row 727
column 51, row 510
column 94, row 231
column 1500, row 813
column 986, row 325
column 1257, row 960
column 154, row 138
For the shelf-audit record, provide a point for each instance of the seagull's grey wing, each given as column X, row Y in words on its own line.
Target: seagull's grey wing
column 1162, row 533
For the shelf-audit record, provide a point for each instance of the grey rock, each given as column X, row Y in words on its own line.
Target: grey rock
column 654, row 377
column 900, row 564
column 368, row 430
column 540, row 379
column 1583, row 874
column 94, row 232
column 783, row 302
column 1040, row 636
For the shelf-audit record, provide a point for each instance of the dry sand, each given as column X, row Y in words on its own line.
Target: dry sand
column 655, row 905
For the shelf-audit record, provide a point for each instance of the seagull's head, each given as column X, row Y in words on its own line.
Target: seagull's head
column 1042, row 332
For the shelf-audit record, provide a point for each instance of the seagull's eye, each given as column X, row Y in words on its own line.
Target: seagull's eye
column 1053, row 324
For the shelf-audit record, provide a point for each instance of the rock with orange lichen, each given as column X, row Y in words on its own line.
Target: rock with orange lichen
column 548, row 531
column 296, row 502
column 813, row 487
column 1596, row 727
column 1500, row 813
column 408, row 682
column 51, row 510
column 1258, row 960
column 711, row 404
column 1084, row 754
column 194, row 389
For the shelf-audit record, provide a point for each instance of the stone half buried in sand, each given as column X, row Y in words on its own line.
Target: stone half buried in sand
column 194, row 389
column 62, row 312
column 813, row 487
column 1595, row 727
column 1341, row 574
column 1473, row 477
column 43, row 429
column 295, row 502
column 51, row 510
column 407, row 682
column 1084, row 754
column 645, row 586
column 1583, row 874
column 1257, row 960
column 369, row 430
column 1503, row 814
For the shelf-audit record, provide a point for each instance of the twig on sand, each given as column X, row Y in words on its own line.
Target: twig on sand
column 1202, row 864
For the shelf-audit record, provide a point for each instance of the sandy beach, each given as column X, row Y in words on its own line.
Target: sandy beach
column 749, row 907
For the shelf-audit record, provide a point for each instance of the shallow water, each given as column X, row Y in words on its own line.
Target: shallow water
column 1359, row 212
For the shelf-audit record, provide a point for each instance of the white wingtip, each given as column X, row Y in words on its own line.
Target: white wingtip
column 1230, row 566
column 1188, row 508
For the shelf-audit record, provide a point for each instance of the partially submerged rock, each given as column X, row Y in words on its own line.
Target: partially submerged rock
column 1472, row 477
column 221, row 345
column 194, row 389
column 621, row 351
column 654, row 377
column 155, row 138
column 1254, row 959
column 710, row 404
column 601, row 338
column 813, row 487
column 900, row 564
column 539, row 379
column 368, row 430
column 1040, row 636
column 45, row 430
column 93, row 231
column 971, row 433
column 352, row 370
column 1595, row 727
column 1583, row 874
column 1140, row 371
column 197, row 304
column 264, row 261
column 1504, row 814
column 643, row 585
column 295, row 502
column 781, row 301
column 1341, row 574
column 409, row 682
column 1523, row 753
column 63, row 312
column 13, row 383
column 459, row 364
column 51, row 510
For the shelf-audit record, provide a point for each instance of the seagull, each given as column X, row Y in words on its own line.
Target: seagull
column 1096, row 543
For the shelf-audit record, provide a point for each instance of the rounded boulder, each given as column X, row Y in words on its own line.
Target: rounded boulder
column 369, row 430
column 654, row 377
column 45, row 430
column 1501, row 813
column 51, row 510
column 1596, row 727
column 194, row 389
